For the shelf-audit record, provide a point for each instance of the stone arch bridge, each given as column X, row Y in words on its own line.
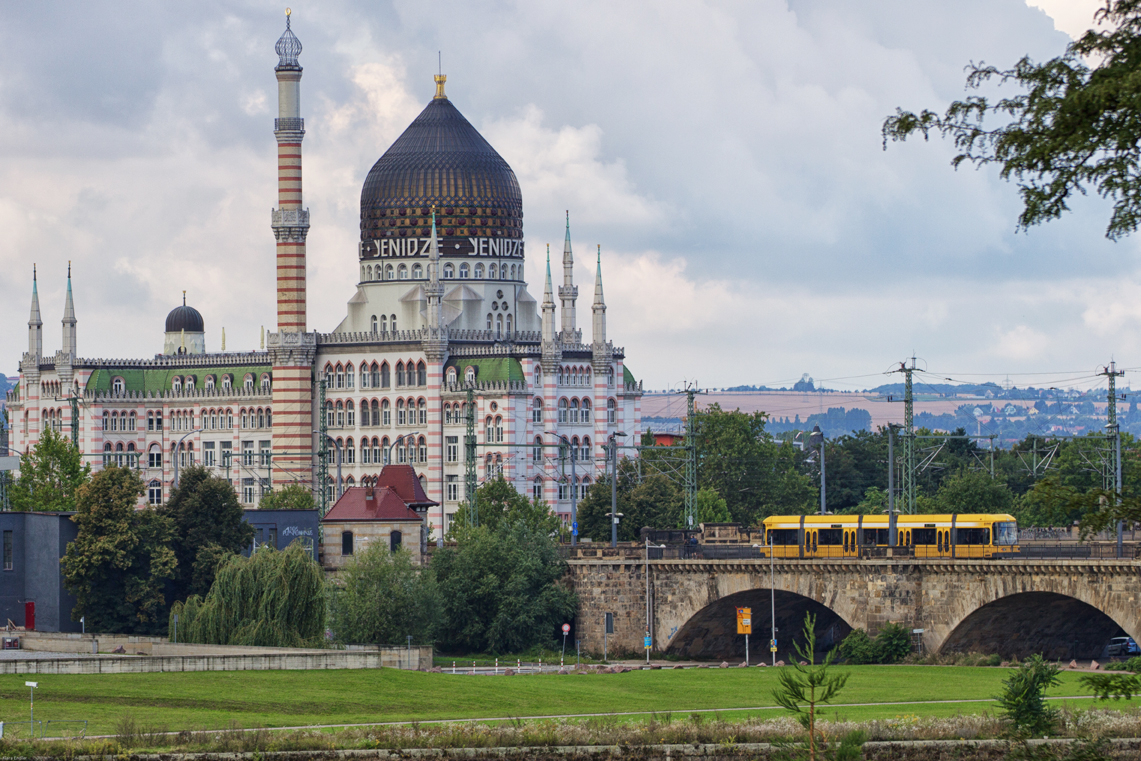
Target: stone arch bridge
column 1061, row 608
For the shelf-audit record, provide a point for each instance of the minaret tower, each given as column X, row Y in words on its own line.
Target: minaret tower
column 568, row 292
column 291, row 349
column 69, row 338
column 35, row 324
column 290, row 221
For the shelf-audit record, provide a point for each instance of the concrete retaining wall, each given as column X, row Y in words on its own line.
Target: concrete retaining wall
column 177, row 656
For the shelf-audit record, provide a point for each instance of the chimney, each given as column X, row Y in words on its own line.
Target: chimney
column 369, row 493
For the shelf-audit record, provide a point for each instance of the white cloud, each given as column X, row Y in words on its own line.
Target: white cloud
column 1074, row 17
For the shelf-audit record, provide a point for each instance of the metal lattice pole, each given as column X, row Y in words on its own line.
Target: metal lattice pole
column 74, row 400
column 1111, row 372
column 323, row 452
column 470, row 478
column 691, row 459
column 908, row 438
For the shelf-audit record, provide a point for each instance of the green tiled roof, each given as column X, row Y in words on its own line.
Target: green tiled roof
column 489, row 369
column 627, row 376
column 154, row 380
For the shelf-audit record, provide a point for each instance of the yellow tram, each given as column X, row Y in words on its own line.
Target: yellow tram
column 935, row 536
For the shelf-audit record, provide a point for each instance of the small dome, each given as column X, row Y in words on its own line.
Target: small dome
column 185, row 318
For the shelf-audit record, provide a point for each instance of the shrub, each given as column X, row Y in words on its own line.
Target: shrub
column 1022, row 699
column 893, row 643
column 858, row 648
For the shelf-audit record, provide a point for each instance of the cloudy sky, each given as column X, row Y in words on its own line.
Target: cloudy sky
column 726, row 155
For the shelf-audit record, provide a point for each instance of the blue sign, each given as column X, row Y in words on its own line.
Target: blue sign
column 574, row 526
column 647, row 643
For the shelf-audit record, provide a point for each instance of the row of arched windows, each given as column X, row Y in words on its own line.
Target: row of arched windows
column 574, row 448
column 574, row 411
column 181, row 383
column 377, row 273
column 493, row 430
column 383, row 325
column 455, row 413
column 342, row 413
column 54, row 419
column 117, row 421
column 381, row 451
column 566, row 487
column 573, row 375
column 376, row 375
column 120, row 456
column 496, row 323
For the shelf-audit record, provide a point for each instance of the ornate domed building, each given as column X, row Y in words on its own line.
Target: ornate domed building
column 441, row 341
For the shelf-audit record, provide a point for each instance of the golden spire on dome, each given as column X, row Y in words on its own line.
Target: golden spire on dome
column 440, row 79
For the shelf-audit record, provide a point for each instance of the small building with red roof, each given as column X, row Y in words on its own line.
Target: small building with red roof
column 390, row 507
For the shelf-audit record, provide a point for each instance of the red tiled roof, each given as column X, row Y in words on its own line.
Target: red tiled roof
column 384, row 505
column 402, row 480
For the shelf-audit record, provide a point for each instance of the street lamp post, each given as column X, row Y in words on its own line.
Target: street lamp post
column 817, row 437
column 574, row 485
column 646, row 573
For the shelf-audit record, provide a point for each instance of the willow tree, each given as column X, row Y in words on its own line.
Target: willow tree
column 270, row 599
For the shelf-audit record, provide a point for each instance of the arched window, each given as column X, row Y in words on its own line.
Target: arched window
column 385, row 413
column 585, row 416
column 585, row 453
column 611, row 411
column 513, row 272
column 209, row 382
column 248, row 383
column 350, row 419
column 106, row 420
column 469, row 375
column 488, row 431
column 610, row 377
column 261, row 418
column 489, row 321
column 385, row 380
column 537, row 489
column 537, row 450
column 329, row 419
column 374, row 375
column 491, row 272
column 447, row 414
column 422, row 408
column 384, row 323
column 176, row 385
column 227, row 382
column 340, row 376
column 417, row 272
column 449, row 272
column 384, row 451
column 509, row 324
column 367, row 274
column 498, row 325
column 399, row 374
column 402, row 272
column 463, row 271
column 498, row 430
column 392, row 323
column 375, row 419
column 479, row 271
column 574, row 410
column 537, row 410
column 452, row 376
column 118, row 385
column 388, row 272
column 107, row 455
column 350, row 452
column 366, row 452
column 400, row 415
column 189, row 382
column 563, row 407
column 422, row 445
column 421, row 374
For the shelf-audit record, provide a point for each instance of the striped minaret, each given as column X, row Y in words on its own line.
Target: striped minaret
column 292, row 350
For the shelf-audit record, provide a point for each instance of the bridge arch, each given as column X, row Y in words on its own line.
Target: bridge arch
column 711, row 632
column 1058, row 626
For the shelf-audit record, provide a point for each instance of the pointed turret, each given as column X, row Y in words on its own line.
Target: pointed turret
column 436, row 343
column 568, row 293
column 598, row 333
column 35, row 324
column 69, row 321
column 548, row 306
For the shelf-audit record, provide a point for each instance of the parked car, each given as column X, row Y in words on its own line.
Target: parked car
column 1122, row 646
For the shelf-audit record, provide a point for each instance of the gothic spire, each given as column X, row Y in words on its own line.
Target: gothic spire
column 548, row 306
column 568, row 292
column 69, row 321
column 35, row 324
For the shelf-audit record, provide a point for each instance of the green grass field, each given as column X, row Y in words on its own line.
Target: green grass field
column 292, row 698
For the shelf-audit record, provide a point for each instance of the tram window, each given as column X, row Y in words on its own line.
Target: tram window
column 923, row 536
column 815, row 542
column 875, row 536
column 831, row 536
column 974, row 536
column 784, row 536
column 1006, row 533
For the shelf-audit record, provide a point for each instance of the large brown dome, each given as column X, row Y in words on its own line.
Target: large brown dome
column 442, row 161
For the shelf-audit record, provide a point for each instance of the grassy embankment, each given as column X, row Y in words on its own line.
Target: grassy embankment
column 216, row 700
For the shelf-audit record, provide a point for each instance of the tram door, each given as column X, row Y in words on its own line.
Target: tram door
column 943, row 542
column 851, row 549
column 811, row 542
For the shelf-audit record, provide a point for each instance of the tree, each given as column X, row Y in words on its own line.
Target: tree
column 270, row 599
column 802, row 688
column 972, row 491
column 207, row 521
column 121, row 559
column 501, row 589
column 498, row 502
column 50, row 475
column 380, row 598
column 1072, row 127
column 1023, row 697
column 290, row 497
column 649, row 499
column 708, row 507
